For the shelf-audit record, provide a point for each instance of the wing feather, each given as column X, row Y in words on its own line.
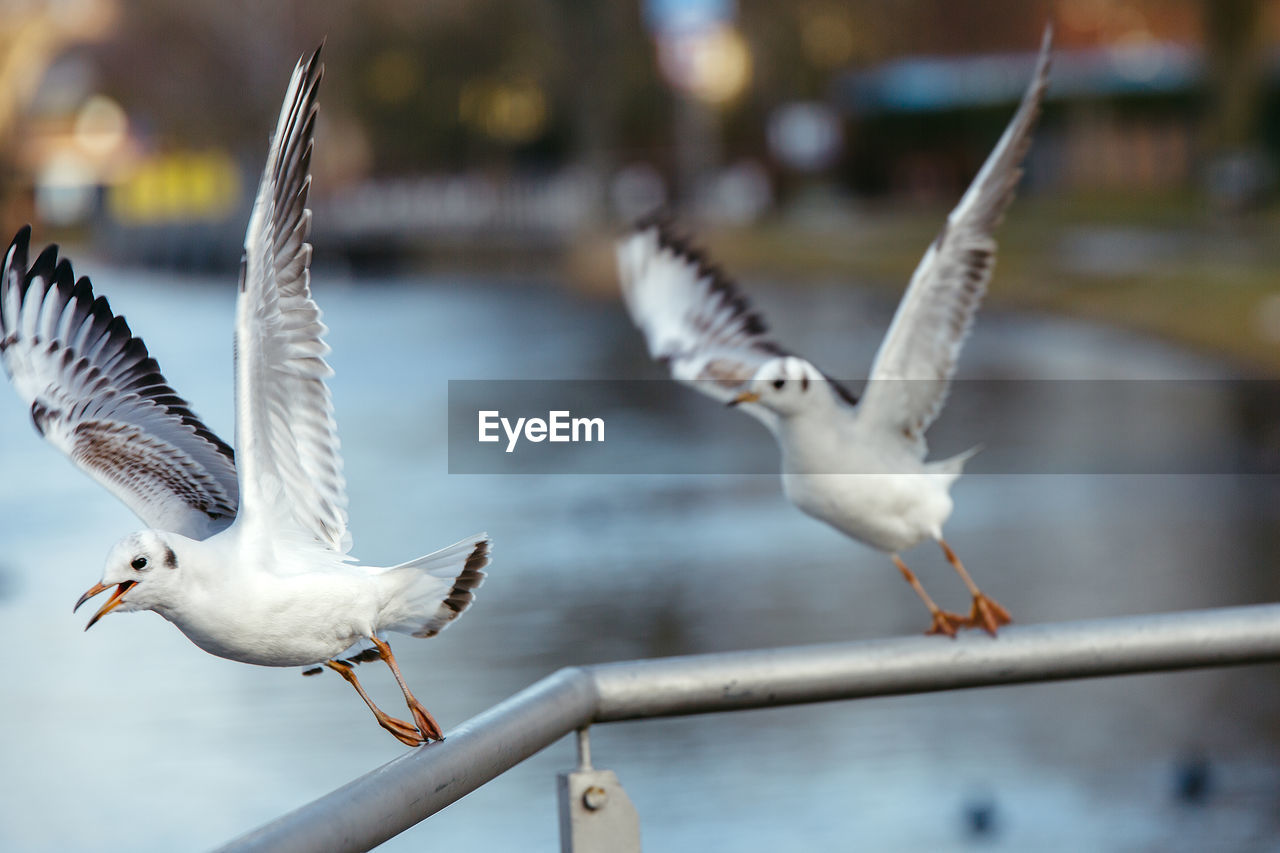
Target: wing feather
column 286, row 435
column 693, row 317
column 96, row 394
column 912, row 371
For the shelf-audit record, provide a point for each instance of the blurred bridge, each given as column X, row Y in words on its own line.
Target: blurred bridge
column 459, row 211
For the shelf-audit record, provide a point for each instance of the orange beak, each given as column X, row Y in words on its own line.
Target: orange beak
column 112, row 603
column 744, row 397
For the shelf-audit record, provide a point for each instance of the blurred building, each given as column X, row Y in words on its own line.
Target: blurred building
column 1121, row 118
column 519, row 124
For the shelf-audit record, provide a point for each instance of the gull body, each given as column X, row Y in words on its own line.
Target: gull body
column 247, row 551
column 290, row 605
column 239, row 605
column 838, row 467
column 889, row 511
column 857, row 463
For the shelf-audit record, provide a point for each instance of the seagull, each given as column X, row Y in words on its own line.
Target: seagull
column 245, row 552
column 857, row 464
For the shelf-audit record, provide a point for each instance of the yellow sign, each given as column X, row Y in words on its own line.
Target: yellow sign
column 177, row 189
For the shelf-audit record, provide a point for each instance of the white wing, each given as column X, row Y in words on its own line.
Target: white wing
column 918, row 356
column 286, row 437
column 97, row 396
column 693, row 317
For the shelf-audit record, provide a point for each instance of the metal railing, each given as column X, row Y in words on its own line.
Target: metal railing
column 381, row 804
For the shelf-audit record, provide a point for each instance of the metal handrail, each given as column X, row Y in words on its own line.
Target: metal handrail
column 381, row 804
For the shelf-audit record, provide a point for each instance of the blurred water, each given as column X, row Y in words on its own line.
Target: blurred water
column 131, row 738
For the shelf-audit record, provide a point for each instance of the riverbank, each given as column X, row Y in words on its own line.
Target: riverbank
column 1164, row 266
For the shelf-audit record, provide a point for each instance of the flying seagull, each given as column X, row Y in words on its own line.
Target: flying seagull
column 246, row 553
column 857, row 464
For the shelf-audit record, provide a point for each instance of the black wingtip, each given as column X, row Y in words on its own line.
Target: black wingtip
column 16, row 257
column 312, row 66
column 63, row 275
column 717, row 279
column 671, row 239
column 45, row 264
column 677, row 240
column 118, row 329
column 663, row 222
column 1044, row 58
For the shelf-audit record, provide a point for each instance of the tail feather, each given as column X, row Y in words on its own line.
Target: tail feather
column 428, row 593
column 954, row 465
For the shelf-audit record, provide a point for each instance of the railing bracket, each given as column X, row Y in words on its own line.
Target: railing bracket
column 596, row 815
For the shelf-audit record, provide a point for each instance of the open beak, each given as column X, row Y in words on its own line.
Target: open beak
column 112, row 602
column 744, row 397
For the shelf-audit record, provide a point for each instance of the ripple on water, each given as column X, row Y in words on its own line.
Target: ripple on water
column 592, row 568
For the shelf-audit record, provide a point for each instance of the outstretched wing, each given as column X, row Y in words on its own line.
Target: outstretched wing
column 694, row 318
column 286, row 437
column 913, row 369
column 97, row 396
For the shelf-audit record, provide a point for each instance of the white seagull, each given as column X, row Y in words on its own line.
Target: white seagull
column 857, row 465
column 247, row 554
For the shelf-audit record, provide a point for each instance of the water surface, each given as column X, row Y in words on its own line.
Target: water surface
column 130, row 738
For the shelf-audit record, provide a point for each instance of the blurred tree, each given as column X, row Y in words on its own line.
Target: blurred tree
column 160, row 63
column 588, row 36
column 1234, row 42
column 1237, row 172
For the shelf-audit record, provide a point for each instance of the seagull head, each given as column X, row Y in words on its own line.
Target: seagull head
column 784, row 385
column 143, row 569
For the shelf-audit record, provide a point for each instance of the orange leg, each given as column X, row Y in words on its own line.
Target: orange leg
column 404, row 732
column 943, row 622
column 426, row 723
column 986, row 613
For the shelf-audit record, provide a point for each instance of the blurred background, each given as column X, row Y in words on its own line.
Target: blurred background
column 474, row 163
column 820, row 138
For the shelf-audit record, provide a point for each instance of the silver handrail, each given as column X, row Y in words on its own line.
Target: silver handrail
column 381, row 804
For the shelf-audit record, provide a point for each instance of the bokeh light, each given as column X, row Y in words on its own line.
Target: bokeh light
column 828, row 38
column 713, row 65
column 64, row 188
column 511, row 111
column 101, row 126
column 392, row 77
column 191, row 187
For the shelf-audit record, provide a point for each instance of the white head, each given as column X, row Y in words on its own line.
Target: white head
column 144, row 569
column 786, row 386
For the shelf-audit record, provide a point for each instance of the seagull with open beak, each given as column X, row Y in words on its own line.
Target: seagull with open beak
column 247, row 553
